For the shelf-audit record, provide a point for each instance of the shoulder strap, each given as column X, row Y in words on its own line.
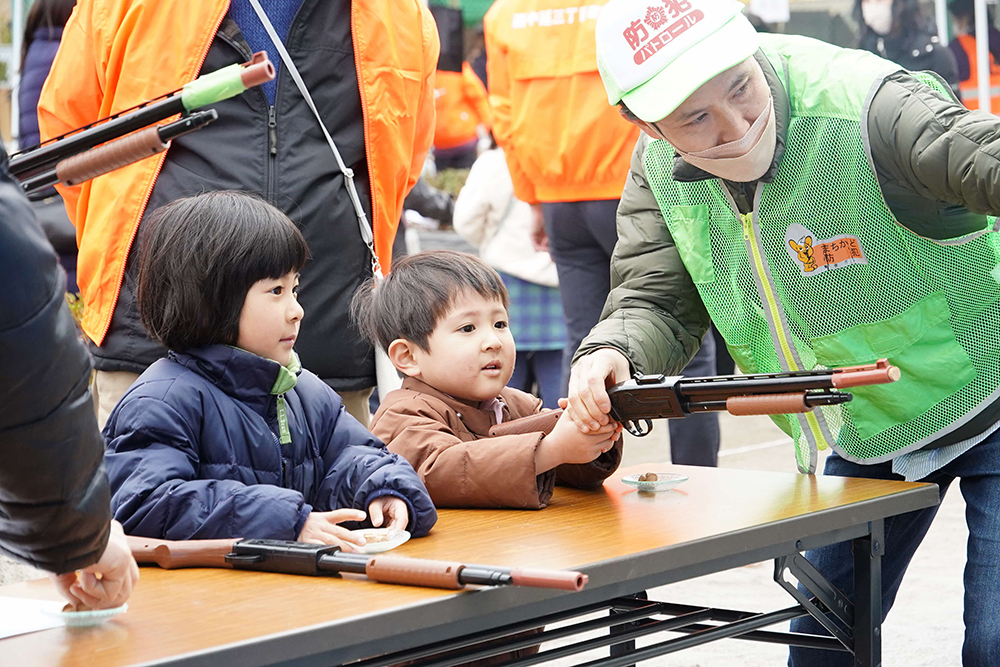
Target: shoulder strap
column 286, row 59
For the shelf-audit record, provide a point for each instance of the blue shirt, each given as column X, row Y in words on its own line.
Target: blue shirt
column 280, row 13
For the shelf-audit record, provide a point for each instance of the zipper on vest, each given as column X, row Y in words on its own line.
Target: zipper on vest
column 784, row 345
column 272, row 131
column 272, row 117
column 272, row 142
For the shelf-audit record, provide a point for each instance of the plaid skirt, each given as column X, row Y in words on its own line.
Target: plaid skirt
column 536, row 315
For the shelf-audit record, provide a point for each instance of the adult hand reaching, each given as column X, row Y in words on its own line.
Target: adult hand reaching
column 108, row 582
column 588, row 402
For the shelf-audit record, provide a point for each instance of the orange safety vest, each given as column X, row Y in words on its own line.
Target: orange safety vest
column 969, row 88
column 462, row 105
column 115, row 54
column 551, row 116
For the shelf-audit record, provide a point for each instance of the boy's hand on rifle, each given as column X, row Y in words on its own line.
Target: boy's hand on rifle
column 389, row 512
column 322, row 528
column 566, row 444
column 588, row 403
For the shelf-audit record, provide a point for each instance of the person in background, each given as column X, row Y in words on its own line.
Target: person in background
column 462, row 108
column 376, row 100
column 43, row 30
column 898, row 31
column 55, row 512
column 228, row 436
column 490, row 217
column 441, row 316
column 963, row 47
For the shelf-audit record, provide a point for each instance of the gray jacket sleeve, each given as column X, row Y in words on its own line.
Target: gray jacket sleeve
column 55, row 507
column 938, row 163
column 653, row 314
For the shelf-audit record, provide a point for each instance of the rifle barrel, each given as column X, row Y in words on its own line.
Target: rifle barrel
column 733, row 385
column 48, row 154
column 118, row 153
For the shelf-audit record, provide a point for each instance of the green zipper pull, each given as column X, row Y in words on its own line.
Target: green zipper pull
column 747, row 219
column 286, row 436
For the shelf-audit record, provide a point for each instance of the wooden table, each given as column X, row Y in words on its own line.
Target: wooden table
column 625, row 541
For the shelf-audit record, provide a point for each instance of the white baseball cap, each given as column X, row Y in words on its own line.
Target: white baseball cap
column 652, row 54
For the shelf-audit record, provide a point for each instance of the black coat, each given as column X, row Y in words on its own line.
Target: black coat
column 916, row 52
column 280, row 154
column 912, row 43
column 55, row 507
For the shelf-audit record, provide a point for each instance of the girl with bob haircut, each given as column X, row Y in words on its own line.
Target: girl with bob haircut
column 227, row 436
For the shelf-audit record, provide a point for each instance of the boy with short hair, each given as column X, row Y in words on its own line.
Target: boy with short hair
column 442, row 318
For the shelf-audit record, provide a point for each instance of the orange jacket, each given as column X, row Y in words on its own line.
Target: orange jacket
column 551, row 116
column 461, row 103
column 969, row 89
column 118, row 53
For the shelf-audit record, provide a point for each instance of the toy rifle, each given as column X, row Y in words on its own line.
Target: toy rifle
column 318, row 559
column 113, row 142
column 635, row 402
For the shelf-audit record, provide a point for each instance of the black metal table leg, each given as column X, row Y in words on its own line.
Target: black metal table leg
column 868, row 552
column 626, row 647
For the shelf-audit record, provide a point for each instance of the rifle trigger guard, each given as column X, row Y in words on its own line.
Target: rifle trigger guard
column 639, row 428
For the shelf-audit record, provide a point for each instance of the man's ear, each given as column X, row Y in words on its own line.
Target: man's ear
column 648, row 128
column 401, row 354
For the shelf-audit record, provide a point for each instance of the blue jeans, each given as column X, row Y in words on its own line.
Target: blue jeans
column 582, row 236
column 541, row 367
column 694, row 440
column 978, row 472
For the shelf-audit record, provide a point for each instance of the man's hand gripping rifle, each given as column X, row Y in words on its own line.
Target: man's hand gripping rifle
column 646, row 397
column 113, row 142
column 320, row 559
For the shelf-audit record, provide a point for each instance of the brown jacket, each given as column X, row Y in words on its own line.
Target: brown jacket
column 448, row 442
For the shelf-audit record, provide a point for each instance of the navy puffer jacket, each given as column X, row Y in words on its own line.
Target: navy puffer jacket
column 193, row 453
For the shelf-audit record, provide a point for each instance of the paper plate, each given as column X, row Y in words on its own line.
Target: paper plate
column 664, row 482
column 380, row 539
column 81, row 619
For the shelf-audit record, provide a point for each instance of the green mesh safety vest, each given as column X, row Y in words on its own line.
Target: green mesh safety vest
column 821, row 275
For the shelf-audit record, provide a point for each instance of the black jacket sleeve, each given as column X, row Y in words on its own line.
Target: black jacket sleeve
column 54, row 499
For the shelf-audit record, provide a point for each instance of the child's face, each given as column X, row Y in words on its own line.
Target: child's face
column 471, row 350
column 269, row 321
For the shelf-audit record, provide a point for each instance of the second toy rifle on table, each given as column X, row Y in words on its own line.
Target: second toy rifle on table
column 319, row 559
column 118, row 140
column 645, row 397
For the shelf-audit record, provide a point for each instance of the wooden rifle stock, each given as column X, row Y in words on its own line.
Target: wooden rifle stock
column 171, row 554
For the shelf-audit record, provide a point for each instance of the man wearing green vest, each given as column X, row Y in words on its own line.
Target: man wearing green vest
column 823, row 208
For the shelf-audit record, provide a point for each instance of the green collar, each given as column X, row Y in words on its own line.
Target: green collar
column 287, row 376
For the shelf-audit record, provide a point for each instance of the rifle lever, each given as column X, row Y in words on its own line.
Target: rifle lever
column 235, row 558
column 638, row 428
